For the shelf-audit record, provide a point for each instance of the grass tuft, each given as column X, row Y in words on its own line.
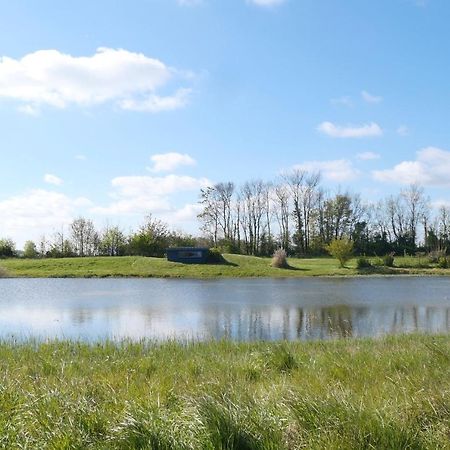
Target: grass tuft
column 350, row 394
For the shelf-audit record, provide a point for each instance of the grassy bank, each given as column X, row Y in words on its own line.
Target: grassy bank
column 352, row 394
column 236, row 266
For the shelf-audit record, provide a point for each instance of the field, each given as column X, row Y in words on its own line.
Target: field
column 235, row 266
column 392, row 393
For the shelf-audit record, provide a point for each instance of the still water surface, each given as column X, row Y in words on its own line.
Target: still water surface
column 247, row 309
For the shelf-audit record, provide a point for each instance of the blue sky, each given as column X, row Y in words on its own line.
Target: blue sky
column 113, row 110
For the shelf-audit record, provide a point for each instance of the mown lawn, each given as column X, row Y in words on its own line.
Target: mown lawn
column 392, row 393
column 236, row 266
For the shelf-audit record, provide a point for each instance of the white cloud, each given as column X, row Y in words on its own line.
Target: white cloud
column 337, row 170
column 156, row 103
column 143, row 194
column 366, row 156
column 37, row 212
column 430, row 168
column 166, row 162
column 127, row 79
column 369, row 98
column 53, row 179
column 81, row 157
column 368, row 130
column 266, row 3
column 440, row 203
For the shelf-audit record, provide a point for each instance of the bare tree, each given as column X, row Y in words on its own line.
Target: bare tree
column 282, row 212
column 417, row 209
column 85, row 238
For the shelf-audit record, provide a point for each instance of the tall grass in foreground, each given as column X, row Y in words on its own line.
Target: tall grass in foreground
column 351, row 394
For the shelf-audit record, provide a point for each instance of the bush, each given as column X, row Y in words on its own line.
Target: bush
column 7, row 248
column 435, row 255
column 443, row 262
column 388, row 260
column 215, row 256
column 363, row 263
column 30, row 250
column 378, row 262
column 279, row 259
column 341, row 249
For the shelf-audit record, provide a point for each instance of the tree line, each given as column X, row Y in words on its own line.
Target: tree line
column 299, row 215
column 295, row 213
column 83, row 239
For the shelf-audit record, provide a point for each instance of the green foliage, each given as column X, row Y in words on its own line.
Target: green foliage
column 363, row 263
column 30, row 250
column 388, row 260
column 378, row 262
column 215, row 256
column 7, row 248
column 443, row 262
column 389, row 393
column 152, row 239
column 341, row 249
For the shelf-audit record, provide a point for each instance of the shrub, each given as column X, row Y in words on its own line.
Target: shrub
column 378, row 262
column 215, row 256
column 7, row 248
column 30, row 250
column 279, row 259
column 362, row 262
column 435, row 255
column 341, row 249
column 443, row 262
column 388, row 260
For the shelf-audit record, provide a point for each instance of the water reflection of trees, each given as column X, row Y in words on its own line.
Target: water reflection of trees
column 81, row 316
column 292, row 323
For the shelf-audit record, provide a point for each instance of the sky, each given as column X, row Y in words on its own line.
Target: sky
column 116, row 109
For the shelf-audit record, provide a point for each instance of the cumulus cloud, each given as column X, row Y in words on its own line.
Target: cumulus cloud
column 53, row 179
column 366, row 156
column 36, row 212
column 350, row 131
column 143, row 194
column 266, row 3
column 430, row 168
column 369, row 98
column 130, row 80
column 166, row 162
column 338, row 170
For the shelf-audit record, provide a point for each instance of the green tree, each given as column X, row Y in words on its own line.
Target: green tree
column 152, row 239
column 341, row 249
column 7, row 248
column 30, row 250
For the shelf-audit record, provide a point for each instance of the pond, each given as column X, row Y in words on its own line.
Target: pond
column 239, row 309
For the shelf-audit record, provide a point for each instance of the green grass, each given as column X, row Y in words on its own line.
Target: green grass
column 392, row 393
column 238, row 266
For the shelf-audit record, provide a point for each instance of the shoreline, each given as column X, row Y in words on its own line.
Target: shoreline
column 235, row 267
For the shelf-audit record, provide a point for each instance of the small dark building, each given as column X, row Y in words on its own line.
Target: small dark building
column 193, row 255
